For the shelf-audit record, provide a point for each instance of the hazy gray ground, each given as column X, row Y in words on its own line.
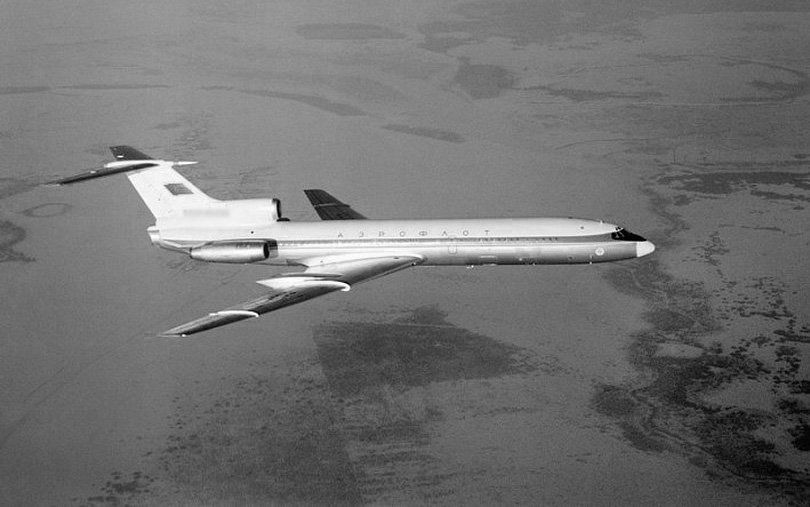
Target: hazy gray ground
column 680, row 378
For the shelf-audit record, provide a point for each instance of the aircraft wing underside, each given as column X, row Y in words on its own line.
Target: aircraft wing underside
column 330, row 208
column 322, row 276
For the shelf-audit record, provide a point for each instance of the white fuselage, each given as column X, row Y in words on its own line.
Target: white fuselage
column 436, row 241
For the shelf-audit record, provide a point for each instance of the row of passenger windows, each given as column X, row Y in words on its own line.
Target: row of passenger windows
column 420, row 240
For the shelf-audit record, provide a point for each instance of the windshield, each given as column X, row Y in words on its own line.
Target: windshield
column 625, row 235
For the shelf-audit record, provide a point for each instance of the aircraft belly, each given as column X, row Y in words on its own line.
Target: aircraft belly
column 296, row 254
column 613, row 251
column 446, row 254
column 584, row 253
column 477, row 255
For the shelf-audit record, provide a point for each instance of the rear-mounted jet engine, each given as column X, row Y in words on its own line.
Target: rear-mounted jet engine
column 237, row 252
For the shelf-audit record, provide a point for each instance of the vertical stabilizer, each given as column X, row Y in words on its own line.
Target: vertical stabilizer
column 165, row 192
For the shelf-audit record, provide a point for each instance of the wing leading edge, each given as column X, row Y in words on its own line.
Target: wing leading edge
column 321, row 277
column 330, row 208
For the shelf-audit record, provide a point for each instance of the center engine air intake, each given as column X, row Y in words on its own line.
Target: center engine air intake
column 237, row 252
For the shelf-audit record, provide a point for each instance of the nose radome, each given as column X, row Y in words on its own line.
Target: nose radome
column 644, row 248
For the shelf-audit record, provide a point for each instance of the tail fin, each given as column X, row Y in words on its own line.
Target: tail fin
column 164, row 191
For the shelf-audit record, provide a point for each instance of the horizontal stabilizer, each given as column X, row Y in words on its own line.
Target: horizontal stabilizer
column 164, row 191
column 330, row 208
column 100, row 173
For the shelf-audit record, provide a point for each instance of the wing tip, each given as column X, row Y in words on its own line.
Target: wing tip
column 169, row 334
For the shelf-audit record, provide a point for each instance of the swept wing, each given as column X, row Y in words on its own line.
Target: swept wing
column 322, row 276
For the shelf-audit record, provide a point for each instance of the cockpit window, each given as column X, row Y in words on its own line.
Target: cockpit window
column 625, row 235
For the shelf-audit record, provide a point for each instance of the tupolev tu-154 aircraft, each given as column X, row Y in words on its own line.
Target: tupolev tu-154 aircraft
column 344, row 248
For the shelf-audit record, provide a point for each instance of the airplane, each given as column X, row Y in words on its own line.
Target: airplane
column 344, row 248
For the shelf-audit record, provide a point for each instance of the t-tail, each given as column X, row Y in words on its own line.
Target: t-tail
column 186, row 218
column 164, row 191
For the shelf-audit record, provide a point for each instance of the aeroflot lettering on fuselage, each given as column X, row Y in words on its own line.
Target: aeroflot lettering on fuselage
column 404, row 234
column 464, row 233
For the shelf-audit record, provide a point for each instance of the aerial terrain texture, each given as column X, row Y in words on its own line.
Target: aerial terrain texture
column 679, row 378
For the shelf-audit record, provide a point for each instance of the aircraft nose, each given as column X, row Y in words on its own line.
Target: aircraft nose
column 644, row 248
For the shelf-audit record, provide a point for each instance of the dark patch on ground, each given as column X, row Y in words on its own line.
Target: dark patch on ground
column 781, row 88
column 50, row 209
column 321, row 103
column 776, row 196
column 793, row 406
column 771, row 229
column 640, row 437
column 10, row 235
column 391, row 446
column 346, row 31
column 763, row 26
column 394, row 431
column 531, row 21
column 91, row 86
column 13, row 186
column 437, row 41
column 801, row 440
column 119, row 491
column 662, row 58
column 412, row 351
column 521, row 21
column 669, row 408
column 587, row 95
column 673, row 398
column 780, row 91
column 614, row 401
column 619, row 403
column 344, row 430
column 12, row 90
column 777, row 91
column 728, row 435
column 438, row 134
column 347, row 429
column 712, row 249
column 168, row 125
column 723, row 183
column 483, row 81
column 271, row 437
column 372, row 368
column 801, row 387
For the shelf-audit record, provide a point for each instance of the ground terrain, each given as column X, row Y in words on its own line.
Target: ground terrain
column 677, row 378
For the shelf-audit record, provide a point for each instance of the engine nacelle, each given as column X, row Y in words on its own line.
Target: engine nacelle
column 237, row 252
column 275, row 210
